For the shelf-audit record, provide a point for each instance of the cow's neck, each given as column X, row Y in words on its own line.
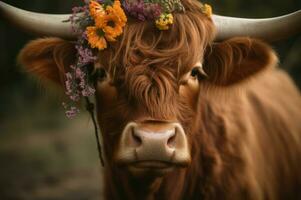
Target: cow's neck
column 145, row 188
column 125, row 186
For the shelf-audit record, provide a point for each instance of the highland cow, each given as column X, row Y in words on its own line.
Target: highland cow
column 186, row 116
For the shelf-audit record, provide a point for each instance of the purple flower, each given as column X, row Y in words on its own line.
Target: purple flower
column 71, row 111
column 88, row 91
column 68, row 83
column 77, row 80
column 84, row 36
column 79, row 16
column 142, row 11
column 85, row 55
column 71, row 88
column 77, row 84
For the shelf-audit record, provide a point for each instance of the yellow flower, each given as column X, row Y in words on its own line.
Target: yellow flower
column 96, row 38
column 96, row 9
column 164, row 21
column 207, row 10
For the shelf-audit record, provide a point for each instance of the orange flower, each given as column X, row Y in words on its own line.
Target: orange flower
column 113, row 27
column 113, row 22
column 96, row 38
column 109, row 23
column 96, row 9
column 118, row 11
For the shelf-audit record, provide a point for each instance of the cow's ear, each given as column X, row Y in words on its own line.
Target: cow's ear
column 237, row 59
column 48, row 58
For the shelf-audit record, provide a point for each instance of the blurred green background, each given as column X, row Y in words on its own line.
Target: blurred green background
column 43, row 155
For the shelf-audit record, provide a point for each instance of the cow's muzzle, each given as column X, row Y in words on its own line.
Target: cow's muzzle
column 153, row 146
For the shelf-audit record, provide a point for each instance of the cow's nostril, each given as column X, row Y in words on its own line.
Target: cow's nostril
column 136, row 139
column 171, row 142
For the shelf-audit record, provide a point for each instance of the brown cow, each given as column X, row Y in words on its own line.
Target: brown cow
column 183, row 117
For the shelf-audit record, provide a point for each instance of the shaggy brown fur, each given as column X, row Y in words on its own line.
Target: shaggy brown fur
column 245, row 137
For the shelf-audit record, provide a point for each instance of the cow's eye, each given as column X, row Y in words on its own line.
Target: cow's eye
column 100, row 74
column 198, row 72
column 195, row 72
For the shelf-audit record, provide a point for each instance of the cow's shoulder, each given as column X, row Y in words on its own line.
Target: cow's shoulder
column 261, row 125
column 273, row 133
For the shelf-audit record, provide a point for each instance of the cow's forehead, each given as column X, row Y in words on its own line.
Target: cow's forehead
column 182, row 71
column 100, row 64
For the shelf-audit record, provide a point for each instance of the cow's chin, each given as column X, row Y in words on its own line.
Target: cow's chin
column 152, row 168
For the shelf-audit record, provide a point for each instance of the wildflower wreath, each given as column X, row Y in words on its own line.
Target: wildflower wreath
column 99, row 22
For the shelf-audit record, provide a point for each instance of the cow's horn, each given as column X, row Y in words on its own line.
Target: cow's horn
column 38, row 23
column 269, row 29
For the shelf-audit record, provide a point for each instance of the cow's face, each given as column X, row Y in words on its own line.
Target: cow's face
column 147, row 95
column 149, row 86
column 147, row 114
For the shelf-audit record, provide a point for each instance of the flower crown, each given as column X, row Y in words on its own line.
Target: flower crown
column 99, row 22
